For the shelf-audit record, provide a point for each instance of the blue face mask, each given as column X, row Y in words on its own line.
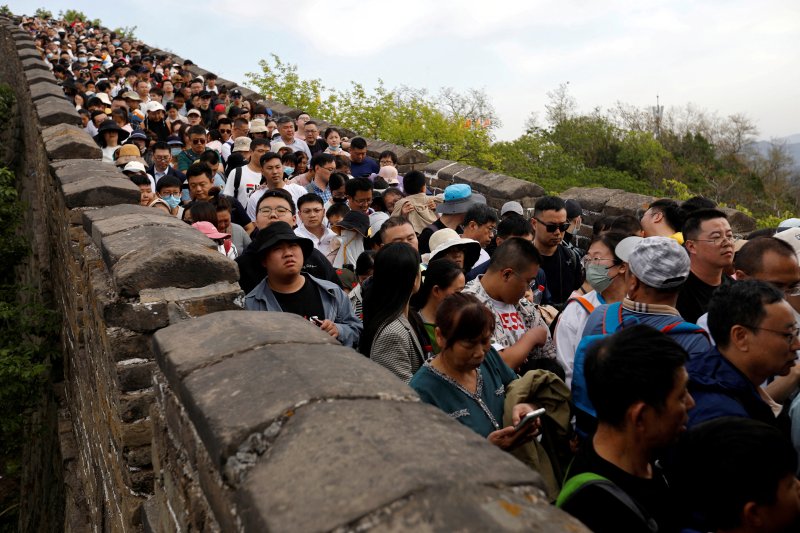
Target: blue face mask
column 116, row 43
column 172, row 201
column 175, row 151
column 288, row 170
column 83, row 60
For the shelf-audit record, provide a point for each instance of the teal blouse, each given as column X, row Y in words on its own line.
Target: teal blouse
column 483, row 411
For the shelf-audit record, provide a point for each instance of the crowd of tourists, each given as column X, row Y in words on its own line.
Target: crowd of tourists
column 644, row 366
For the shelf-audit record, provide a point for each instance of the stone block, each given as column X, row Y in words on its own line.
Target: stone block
column 39, row 76
column 135, row 405
column 183, row 265
column 219, row 398
column 102, row 229
column 590, row 198
column 152, row 240
column 338, row 447
column 626, row 203
column 85, row 169
column 99, row 192
column 91, row 216
column 25, row 53
column 741, row 224
column 34, row 63
column 53, row 110
column 44, row 89
column 433, row 169
column 25, row 45
column 184, row 304
column 137, row 317
column 451, row 172
column 138, row 457
column 127, row 344
column 183, row 348
column 65, row 141
column 405, row 156
column 135, row 374
column 138, row 433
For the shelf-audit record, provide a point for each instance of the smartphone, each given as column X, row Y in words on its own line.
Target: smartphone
column 528, row 419
column 315, row 320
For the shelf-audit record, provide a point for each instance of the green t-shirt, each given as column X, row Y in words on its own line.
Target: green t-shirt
column 436, row 389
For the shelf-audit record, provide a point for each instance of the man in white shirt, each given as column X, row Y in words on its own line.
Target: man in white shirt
column 311, row 211
column 286, row 129
column 249, row 176
column 272, row 171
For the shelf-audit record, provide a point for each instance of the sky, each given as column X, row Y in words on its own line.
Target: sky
column 727, row 56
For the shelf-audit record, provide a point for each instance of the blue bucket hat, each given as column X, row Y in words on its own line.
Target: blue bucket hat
column 458, row 198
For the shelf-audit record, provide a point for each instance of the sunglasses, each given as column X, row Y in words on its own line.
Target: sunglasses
column 198, row 141
column 551, row 228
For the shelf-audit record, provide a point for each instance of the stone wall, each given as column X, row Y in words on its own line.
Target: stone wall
column 180, row 411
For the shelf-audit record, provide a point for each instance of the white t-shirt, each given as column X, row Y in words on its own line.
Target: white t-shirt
column 509, row 317
column 295, row 190
column 247, row 185
column 569, row 332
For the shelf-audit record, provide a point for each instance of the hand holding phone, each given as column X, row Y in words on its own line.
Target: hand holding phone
column 528, row 419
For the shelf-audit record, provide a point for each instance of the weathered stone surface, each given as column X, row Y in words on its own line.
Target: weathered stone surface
column 590, row 198
column 135, row 374
column 219, row 397
column 53, row 110
column 111, row 226
column 100, row 191
column 25, row 53
column 151, row 239
column 44, row 89
column 187, row 346
column 25, row 45
column 183, row 265
column 470, row 507
column 741, row 224
column 66, row 141
column 340, row 459
column 405, row 156
column 137, row 317
column 127, row 344
column 451, row 172
column 40, row 76
column 138, row 433
column 627, row 203
column 135, row 405
column 34, row 63
column 92, row 216
column 435, row 168
column 86, row 170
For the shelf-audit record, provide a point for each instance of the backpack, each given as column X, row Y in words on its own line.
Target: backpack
column 589, row 479
column 583, row 302
column 612, row 321
column 237, row 180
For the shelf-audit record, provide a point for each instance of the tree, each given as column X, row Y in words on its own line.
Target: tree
column 43, row 13
column 5, row 11
column 126, row 33
column 562, row 105
column 473, row 106
column 280, row 81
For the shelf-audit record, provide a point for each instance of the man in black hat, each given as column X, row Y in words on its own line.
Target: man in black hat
column 286, row 288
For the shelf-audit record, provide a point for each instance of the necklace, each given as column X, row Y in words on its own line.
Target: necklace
column 475, row 397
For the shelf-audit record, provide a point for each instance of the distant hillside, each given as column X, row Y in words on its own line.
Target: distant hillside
column 792, row 147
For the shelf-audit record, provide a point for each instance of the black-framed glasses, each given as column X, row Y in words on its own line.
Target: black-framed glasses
column 551, row 227
column 789, row 336
column 267, row 211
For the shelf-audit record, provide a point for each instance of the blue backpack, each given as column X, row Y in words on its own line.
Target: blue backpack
column 612, row 321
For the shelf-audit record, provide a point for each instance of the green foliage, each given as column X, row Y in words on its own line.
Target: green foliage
column 442, row 127
column 5, row 11
column 43, row 13
column 677, row 190
column 126, row 33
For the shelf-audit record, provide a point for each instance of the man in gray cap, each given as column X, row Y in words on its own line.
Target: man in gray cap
column 657, row 269
column 458, row 198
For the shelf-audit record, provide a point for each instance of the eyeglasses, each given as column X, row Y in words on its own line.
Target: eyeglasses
column 593, row 260
column 716, row 241
column 267, row 211
column 312, row 211
column 198, row 141
column 551, row 228
column 365, row 201
column 789, row 336
column 788, row 290
column 161, row 157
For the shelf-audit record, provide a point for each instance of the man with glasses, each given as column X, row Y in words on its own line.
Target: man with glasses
column 560, row 263
column 709, row 241
column 756, row 336
column 520, row 334
column 162, row 157
column 274, row 179
column 197, row 145
column 359, row 195
column 320, row 169
column 239, row 127
column 315, row 144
